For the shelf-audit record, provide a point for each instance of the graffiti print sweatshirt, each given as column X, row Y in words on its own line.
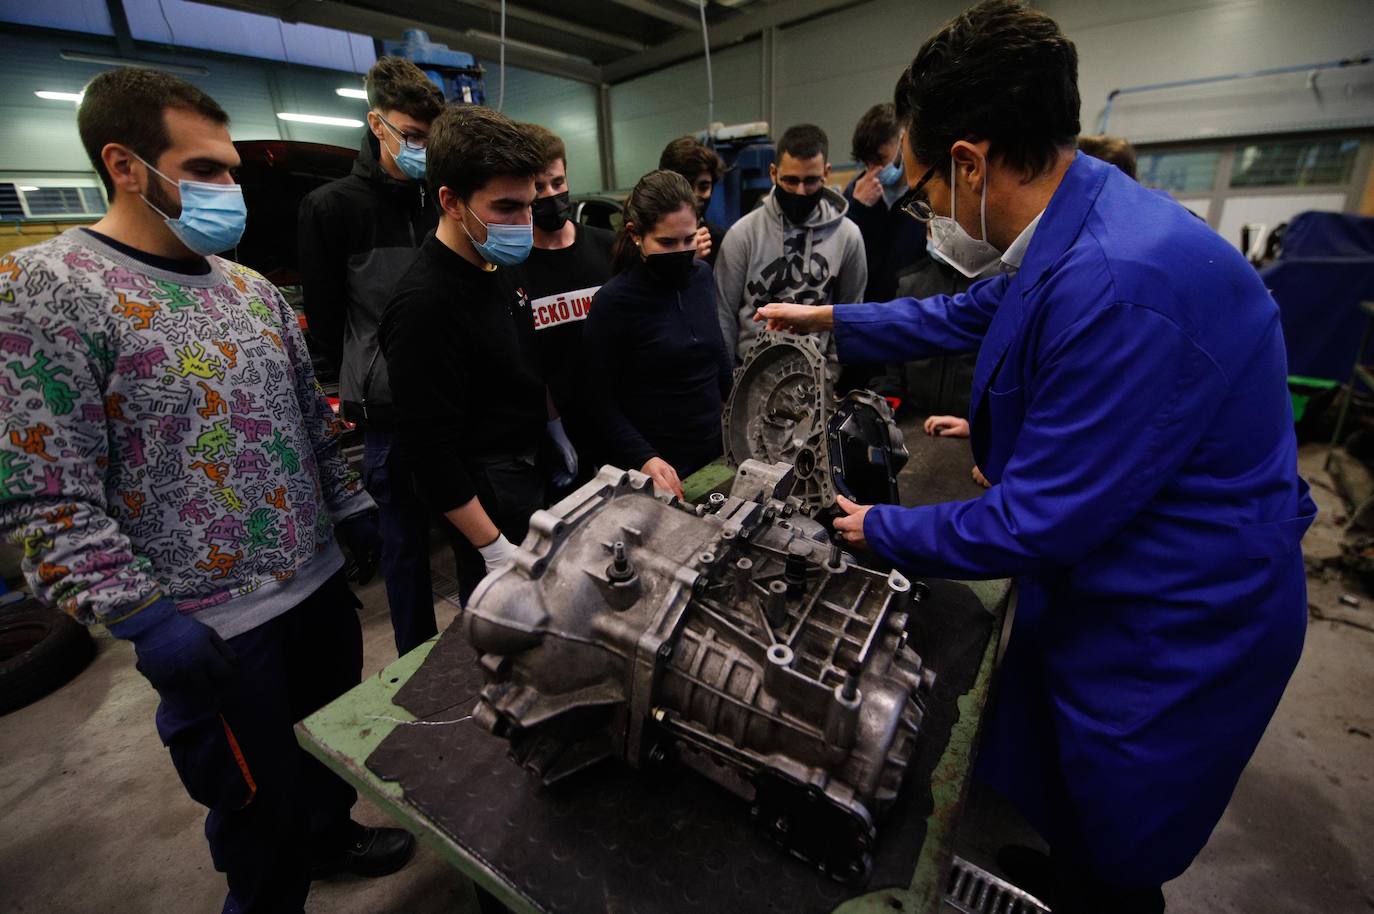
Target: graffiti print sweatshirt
column 163, row 433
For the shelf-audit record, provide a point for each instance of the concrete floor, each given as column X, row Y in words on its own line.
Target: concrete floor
column 92, row 817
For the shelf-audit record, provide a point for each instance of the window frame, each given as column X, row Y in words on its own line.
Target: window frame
column 1230, row 147
column 53, row 181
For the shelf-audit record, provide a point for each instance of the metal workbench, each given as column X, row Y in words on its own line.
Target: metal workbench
column 616, row 839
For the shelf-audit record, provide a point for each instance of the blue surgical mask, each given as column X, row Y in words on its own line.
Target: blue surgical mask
column 506, row 245
column 213, row 216
column 411, row 162
column 890, row 175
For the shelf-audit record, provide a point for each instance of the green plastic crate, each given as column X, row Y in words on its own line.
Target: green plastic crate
column 1302, row 389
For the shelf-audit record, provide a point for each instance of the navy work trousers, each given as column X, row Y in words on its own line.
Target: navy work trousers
column 273, row 808
column 405, row 526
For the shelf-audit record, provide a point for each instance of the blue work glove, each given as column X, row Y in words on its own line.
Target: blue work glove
column 175, row 652
column 360, row 537
column 566, row 452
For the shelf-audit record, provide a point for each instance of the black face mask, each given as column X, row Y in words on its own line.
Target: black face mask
column 671, row 269
column 796, row 207
column 551, row 212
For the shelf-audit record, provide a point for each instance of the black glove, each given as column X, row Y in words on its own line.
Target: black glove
column 175, row 652
column 359, row 536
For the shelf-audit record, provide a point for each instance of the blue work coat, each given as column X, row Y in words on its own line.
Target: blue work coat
column 1130, row 408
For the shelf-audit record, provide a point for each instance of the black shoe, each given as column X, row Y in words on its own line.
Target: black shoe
column 1027, row 869
column 370, row 852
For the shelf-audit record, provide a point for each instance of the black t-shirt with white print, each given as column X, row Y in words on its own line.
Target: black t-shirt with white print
column 560, row 285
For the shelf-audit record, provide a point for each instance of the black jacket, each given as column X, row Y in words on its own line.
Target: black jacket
column 656, row 370
column 357, row 236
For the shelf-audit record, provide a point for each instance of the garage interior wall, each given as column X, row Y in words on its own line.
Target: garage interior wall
column 565, row 106
column 830, row 69
column 1123, row 43
column 826, row 71
column 649, row 112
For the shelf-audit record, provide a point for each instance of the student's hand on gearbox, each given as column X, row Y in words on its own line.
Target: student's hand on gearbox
column 797, row 318
column 498, row 554
column 850, row 524
column 703, row 243
column 663, row 475
column 868, row 190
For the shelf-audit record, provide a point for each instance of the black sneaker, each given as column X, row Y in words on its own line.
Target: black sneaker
column 370, row 852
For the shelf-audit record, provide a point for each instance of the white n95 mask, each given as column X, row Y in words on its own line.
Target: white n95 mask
column 957, row 247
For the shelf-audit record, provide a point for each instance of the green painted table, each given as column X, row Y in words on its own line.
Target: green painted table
column 346, row 732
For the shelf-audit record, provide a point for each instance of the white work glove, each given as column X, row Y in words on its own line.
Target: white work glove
column 566, row 452
column 497, row 554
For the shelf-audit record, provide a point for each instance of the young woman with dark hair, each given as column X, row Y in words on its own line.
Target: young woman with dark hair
column 657, row 372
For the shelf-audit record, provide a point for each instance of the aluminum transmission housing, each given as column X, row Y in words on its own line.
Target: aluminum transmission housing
column 730, row 637
column 782, row 408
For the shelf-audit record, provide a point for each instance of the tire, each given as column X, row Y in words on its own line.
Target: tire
column 40, row 650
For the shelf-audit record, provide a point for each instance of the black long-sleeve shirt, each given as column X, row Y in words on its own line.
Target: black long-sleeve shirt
column 657, row 371
column 466, row 385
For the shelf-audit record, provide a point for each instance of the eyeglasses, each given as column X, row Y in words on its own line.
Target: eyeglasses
column 914, row 202
column 810, row 182
column 410, row 141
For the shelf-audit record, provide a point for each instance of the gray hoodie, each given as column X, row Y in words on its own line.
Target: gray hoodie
column 764, row 258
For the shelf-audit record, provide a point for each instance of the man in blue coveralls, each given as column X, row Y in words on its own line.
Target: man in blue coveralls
column 1130, row 410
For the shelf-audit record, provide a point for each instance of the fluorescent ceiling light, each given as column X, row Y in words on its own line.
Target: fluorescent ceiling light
column 321, row 119
column 27, row 188
column 352, row 93
column 59, row 96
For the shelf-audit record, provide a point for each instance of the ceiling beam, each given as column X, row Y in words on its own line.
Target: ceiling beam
column 650, row 8
column 534, row 17
column 746, row 23
column 376, row 23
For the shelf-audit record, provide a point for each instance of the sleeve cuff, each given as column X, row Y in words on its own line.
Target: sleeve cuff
column 876, row 533
column 354, row 504
column 453, row 490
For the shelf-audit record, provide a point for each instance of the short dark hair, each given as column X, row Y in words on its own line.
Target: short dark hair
column 471, row 144
column 658, row 194
column 689, row 157
column 1112, row 149
column 396, row 84
column 804, row 141
column 877, row 126
column 999, row 71
column 549, row 144
column 126, row 106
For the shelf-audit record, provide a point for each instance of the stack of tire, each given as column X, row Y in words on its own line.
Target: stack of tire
column 41, row 649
